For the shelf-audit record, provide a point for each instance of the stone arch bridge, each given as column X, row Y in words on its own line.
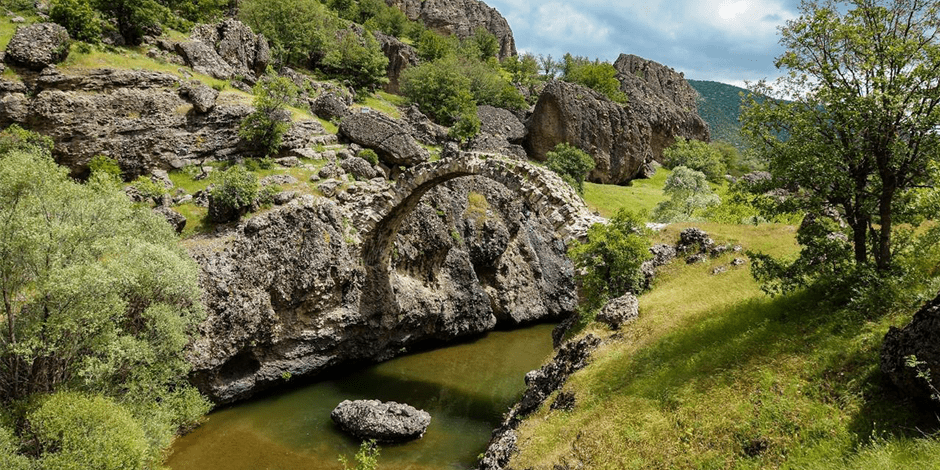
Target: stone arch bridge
column 544, row 191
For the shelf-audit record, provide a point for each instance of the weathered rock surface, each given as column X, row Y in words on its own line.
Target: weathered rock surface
column 423, row 129
column 664, row 98
column 330, row 106
column 226, row 50
column 358, row 167
column 460, row 18
column 618, row 137
column 201, row 96
column 920, row 338
column 619, row 311
column 391, row 139
column 500, row 132
column 175, row 219
column 382, row 421
column 400, row 57
column 37, row 46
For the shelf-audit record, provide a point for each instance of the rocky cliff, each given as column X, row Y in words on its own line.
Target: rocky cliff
column 460, row 18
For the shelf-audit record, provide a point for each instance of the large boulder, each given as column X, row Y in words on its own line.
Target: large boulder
column 330, row 106
column 391, row 139
column 501, row 123
column 920, row 338
column 201, row 96
column 400, row 57
column 37, row 46
column 226, row 50
column 619, row 311
column 384, row 422
column 460, row 18
column 616, row 136
column 664, row 97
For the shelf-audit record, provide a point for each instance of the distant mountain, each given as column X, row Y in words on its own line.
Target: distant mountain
column 720, row 106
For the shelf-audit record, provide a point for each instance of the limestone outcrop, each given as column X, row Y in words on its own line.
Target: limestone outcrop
column 618, row 137
column 400, row 57
column 664, row 97
column 390, row 138
column 460, row 18
column 920, row 338
column 226, row 50
column 37, row 46
column 382, row 421
column 500, row 132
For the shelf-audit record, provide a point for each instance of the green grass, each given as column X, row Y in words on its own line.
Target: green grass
column 714, row 374
column 383, row 102
column 641, row 195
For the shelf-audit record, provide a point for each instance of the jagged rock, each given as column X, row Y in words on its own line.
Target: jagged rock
column 162, row 178
column 696, row 258
column 177, row 220
column 330, row 106
column 662, row 254
column 291, row 161
column 501, row 447
column 619, row 311
column 400, row 57
column 328, row 187
column 384, row 422
column 616, row 136
column 719, row 269
column 564, row 401
column 281, row 180
column 37, row 46
column 303, row 134
column 664, row 98
column 489, row 143
column 501, row 123
column 226, row 50
column 284, row 197
column 694, row 239
column 201, row 96
column 331, row 171
column 460, row 18
column 425, row 130
column 738, row 262
column 358, row 167
column 222, row 213
column 570, row 358
column 390, row 138
column 920, row 338
column 201, row 198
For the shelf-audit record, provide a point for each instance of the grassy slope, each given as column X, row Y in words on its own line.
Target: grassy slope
column 642, row 195
column 715, row 374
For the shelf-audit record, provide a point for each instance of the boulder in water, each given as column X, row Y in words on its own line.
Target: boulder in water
column 382, row 421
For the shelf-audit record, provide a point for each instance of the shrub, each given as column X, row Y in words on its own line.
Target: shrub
column 571, row 163
column 358, row 59
column 296, row 29
column 440, row 90
column 466, row 128
column 235, row 193
column 699, row 156
column 489, row 86
column 433, row 46
column 15, row 138
column 135, row 18
column 148, row 188
column 105, row 165
column 78, row 17
column 265, row 127
column 366, row 459
column 369, row 155
column 688, row 192
column 598, row 76
column 485, row 42
column 608, row 265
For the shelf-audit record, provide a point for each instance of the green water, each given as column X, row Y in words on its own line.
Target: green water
column 466, row 388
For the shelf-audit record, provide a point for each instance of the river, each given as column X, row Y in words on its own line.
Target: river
column 466, row 387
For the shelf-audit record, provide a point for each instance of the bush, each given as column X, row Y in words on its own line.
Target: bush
column 135, row 18
column 15, row 138
column 485, row 42
column 148, row 188
column 433, row 46
column 358, row 59
column 78, row 17
column 440, row 90
column 598, row 76
column 366, row 459
column 369, row 155
column 297, row 29
column 265, row 127
column 234, row 195
column 608, row 265
column 105, row 165
column 689, row 193
column 466, row 128
column 699, row 156
column 489, row 86
column 571, row 163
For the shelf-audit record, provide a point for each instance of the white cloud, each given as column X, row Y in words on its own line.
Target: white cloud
column 563, row 23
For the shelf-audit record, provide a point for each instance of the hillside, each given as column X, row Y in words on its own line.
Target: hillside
column 720, row 106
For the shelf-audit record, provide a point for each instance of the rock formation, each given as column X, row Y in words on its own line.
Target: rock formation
column 384, row 422
column 920, row 338
column 664, row 97
column 37, row 46
column 390, row 138
column 460, row 18
column 500, row 132
column 619, row 311
column 400, row 57
column 226, row 50
column 618, row 137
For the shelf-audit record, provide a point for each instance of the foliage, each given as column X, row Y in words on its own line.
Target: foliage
column 857, row 132
column 136, row 18
column 149, row 189
column 9, row 458
column 571, row 163
column 608, row 265
column 78, row 431
column 524, row 70
column 369, row 155
column 265, row 127
column 199, row 11
column 235, row 193
column 100, row 299
column 689, row 193
column 390, row 20
column 466, row 128
column 719, row 104
column 485, row 43
column 488, row 86
column 439, row 89
column 296, row 29
column 698, row 156
column 596, row 75
column 366, row 459
column 106, row 165
column 433, row 46
column 15, row 138
column 358, row 59
column 78, row 17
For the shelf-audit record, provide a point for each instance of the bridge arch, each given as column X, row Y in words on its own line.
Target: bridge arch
column 547, row 194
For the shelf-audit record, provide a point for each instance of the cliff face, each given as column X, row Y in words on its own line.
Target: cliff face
column 283, row 289
column 460, row 18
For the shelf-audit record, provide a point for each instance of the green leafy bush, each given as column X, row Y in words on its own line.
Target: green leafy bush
column 689, row 193
column 265, row 127
column 596, row 75
column 699, row 156
column 105, row 165
column 234, row 194
column 433, row 46
column 366, row 459
column 608, row 265
column 571, row 163
column 297, row 29
column 466, row 128
column 369, row 155
column 439, row 89
column 78, row 17
column 148, row 188
column 357, row 59
column 15, row 138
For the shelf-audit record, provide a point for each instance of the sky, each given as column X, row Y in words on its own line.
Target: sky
column 730, row 41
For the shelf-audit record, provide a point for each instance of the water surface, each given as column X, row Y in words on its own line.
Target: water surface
column 466, row 388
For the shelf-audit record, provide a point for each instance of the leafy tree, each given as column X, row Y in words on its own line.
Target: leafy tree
column 265, row 127
column 571, row 163
column 688, row 192
column 466, row 128
column 391, row 21
column 347, row 9
column 360, row 59
column 523, row 68
column 433, row 46
column 234, row 195
column 488, row 86
column 201, row 11
column 78, row 17
column 440, row 90
column 608, row 265
column 135, row 18
column 296, row 29
column 10, row 459
column 549, row 66
column 486, row 43
column 857, row 130
column 598, row 76
column 698, row 156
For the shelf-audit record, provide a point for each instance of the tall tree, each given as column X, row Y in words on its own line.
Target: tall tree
column 857, row 124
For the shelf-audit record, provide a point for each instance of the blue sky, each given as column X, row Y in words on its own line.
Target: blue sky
column 724, row 40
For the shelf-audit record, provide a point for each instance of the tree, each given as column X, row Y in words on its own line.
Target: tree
column 466, row 128
column 78, row 17
column 858, row 126
column 440, row 90
column 297, row 29
column 598, row 76
column 688, row 192
column 608, row 265
column 486, row 43
column 265, row 127
column 134, row 18
column 358, row 58
column 698, row 156
column 234, row 195
column 571, row 163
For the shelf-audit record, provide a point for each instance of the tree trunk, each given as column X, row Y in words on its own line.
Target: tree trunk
column 883, row 250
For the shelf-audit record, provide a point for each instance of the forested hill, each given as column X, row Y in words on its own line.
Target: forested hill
column 720, row 107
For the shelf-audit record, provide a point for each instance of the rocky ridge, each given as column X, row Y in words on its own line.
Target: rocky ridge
column 460, row 18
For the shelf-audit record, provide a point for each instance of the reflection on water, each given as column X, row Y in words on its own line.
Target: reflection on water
column 466, row 388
